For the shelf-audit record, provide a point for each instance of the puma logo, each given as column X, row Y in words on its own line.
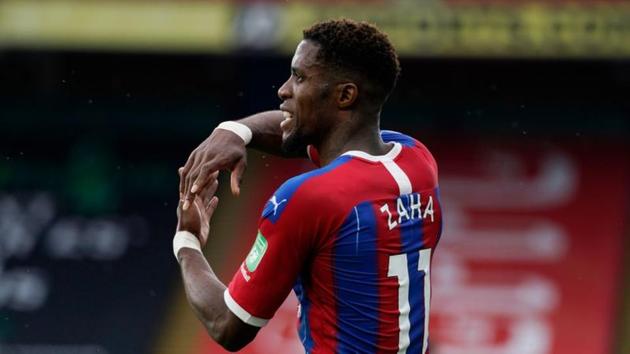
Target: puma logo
column 275, row 203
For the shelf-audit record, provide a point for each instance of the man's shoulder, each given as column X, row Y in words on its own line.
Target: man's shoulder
column 394, row 136
column 418, row 148
column 306, row 191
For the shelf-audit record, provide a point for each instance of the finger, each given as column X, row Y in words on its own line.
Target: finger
column 183, row 176
column 189, row 169
column 208, row 192
column 183, row 171
column 212, row 206
column 180, row 172
column 189, row 197
column 181, row 184
column 205, row 175
column 237, row 176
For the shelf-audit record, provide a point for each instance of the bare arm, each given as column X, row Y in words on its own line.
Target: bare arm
column 266, row 133
column 204, row 290
column 205, row 295
column 224, row 150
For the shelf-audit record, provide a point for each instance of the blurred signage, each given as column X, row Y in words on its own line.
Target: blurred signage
column 529, row 262
column 427, row 28
column 59, row 271
column 30, row 224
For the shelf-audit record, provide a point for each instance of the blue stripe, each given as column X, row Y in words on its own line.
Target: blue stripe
column 356, row 282
column 390, row 135
column 273, row 210
column 411, row 233
column 304, row 330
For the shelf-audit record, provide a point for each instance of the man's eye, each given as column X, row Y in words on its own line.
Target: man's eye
column 298, row 77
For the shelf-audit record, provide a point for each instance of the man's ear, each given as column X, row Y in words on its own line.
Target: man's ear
column 347, row 94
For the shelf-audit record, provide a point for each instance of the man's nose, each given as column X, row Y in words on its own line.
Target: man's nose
column 284, row 92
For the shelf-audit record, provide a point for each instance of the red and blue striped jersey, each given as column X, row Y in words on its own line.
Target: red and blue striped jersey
column 354, row 240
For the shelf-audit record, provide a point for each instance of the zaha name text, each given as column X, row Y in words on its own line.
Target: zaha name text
column 408, row 207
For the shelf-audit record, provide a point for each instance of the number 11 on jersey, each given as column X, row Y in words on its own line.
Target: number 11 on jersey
column 398, row 268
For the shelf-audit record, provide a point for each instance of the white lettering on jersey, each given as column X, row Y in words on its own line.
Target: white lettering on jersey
column 401, row 210
column 390, row 223
column 276, row 204
column 429, row 209
column 415, row 206
column 410, row 212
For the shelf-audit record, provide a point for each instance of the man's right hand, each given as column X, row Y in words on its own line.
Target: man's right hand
column 222, row 150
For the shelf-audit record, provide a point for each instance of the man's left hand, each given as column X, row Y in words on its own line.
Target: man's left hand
column 196, row 218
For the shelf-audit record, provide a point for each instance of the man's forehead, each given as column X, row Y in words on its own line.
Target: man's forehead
column 305, row 55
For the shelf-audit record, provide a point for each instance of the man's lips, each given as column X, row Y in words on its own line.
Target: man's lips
column 288, row 120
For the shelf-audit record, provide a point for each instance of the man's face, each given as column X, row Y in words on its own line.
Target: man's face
column 306, row 100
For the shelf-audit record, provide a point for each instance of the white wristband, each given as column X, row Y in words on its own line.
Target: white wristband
column 237, row 128
column 185, row 239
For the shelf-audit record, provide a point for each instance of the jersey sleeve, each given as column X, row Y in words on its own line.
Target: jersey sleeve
column 286, row 233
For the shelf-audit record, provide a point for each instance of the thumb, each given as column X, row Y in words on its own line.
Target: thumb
column 237, row 176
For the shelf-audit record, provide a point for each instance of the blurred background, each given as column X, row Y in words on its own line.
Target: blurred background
column 525, row 105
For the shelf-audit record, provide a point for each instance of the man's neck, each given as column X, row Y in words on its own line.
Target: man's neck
column 355, row 134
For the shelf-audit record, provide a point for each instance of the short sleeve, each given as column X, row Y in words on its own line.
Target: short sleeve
column 286, row 231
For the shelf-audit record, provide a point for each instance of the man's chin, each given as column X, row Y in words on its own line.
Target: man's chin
column 293, row 144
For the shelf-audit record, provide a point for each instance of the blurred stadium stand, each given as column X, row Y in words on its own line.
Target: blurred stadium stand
column 525, row 105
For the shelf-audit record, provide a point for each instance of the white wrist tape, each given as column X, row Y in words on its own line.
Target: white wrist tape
column 185, row 239
column 237, row 128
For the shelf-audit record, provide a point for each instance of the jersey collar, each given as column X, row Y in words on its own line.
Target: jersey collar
column 391, row 155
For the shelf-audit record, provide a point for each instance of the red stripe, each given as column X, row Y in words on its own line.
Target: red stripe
column 418, row 167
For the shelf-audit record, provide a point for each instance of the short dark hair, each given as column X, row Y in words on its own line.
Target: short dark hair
column 358, row 48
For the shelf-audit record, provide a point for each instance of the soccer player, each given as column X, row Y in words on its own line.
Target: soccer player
column 353, row 238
